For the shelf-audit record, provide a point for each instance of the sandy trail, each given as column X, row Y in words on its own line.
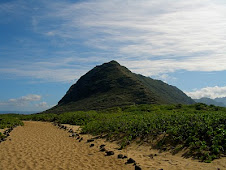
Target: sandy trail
column 40, row 145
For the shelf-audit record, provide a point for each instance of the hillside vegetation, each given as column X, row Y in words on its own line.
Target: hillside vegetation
column 111, row 84
column 198, row 128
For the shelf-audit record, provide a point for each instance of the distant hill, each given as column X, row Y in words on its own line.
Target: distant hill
column 111, row 84
column 221, row 100
column 217, row 102
column 18, row 112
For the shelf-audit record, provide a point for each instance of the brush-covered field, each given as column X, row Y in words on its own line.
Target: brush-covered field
column 198, row 128
column 9, row 121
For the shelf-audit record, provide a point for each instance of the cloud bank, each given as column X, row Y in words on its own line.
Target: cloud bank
column 150, row 36
column 28, row 101
column 210, row 92
column 22, row 101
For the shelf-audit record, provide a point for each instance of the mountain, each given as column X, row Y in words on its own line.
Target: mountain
column 222, row 100
column 111, row 84
column 217, row 102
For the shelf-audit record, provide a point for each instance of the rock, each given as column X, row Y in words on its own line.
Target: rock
column 63, row 127
column 137, row 167
column 73, row 135
column 164, row 149
column 71, row 131
column 102, row 149
column 124, row 157
column 91, row 145
column 120, row 156
column 81, row 139
column 90, row 140
column 130, row 161
column 151, row 156
column 109, row 153
column 102, row 146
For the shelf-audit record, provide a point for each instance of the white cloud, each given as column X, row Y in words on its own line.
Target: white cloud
column 158, row 67
column 147, row 27
column 22, row 101
column 210, row 92
column 31, row 102
column 51, row 70
column 165, row 77
column 31, row 97
column 189, row 35
column 42, row 105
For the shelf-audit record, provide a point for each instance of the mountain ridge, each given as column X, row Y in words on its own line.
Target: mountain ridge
column 217, row 101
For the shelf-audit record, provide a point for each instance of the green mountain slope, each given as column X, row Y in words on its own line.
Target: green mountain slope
column 111, row 84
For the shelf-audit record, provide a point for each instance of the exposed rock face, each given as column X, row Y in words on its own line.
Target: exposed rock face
column 111, row 84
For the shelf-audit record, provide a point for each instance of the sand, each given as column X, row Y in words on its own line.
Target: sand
column 144, row 155
column 40, row 145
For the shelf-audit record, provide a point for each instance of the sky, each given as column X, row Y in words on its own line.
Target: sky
column 45, row 46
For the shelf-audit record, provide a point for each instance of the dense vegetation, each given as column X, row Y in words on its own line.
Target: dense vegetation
column 198, row 128
column 111, row 85
column 9, row 121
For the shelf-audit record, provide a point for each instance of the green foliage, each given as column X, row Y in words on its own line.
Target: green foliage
column 2, row 136
column 77, row 118
column 199, row 127
column 9, row 120
column 41, row 117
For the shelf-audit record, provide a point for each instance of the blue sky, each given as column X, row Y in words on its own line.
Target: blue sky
column 45, row 46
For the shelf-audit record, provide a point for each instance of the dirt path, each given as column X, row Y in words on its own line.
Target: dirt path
column 39, row 145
